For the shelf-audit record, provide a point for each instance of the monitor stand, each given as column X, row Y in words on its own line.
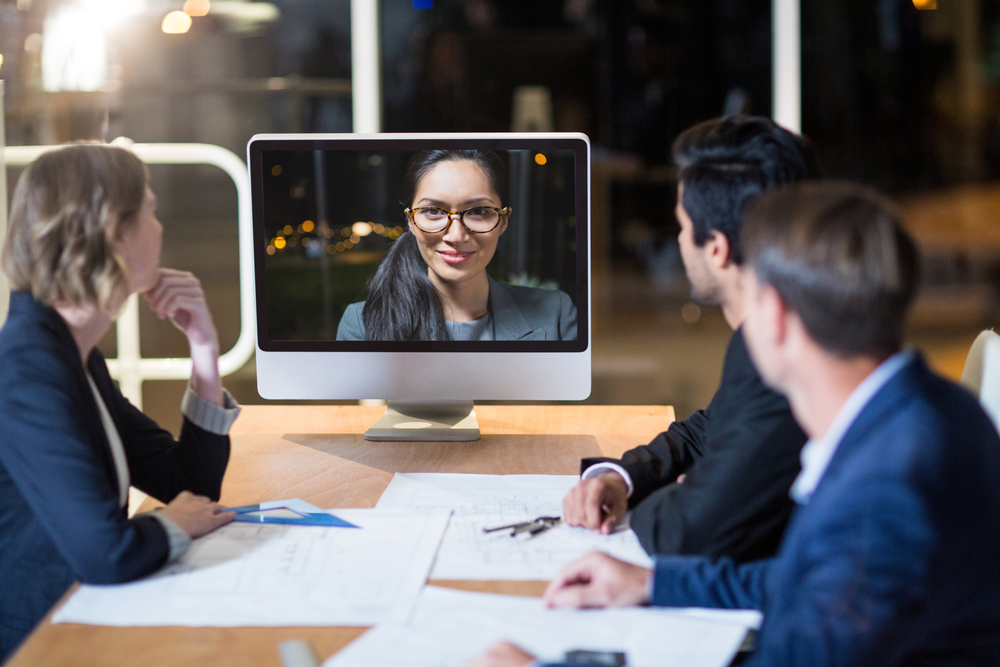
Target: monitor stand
column 426, row 421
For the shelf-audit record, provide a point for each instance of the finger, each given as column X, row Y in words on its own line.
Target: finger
column 169, row 280
column 592, row 507
column 571, row 506
column 580, row 596
column 193, row 306
column 149, row 293
column 164, row 305
column 575, row 573
column 610, row 522
column 157, row 297
column 222, row 518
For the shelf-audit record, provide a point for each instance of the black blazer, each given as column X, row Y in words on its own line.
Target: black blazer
column 740, row 454
column 60, row 518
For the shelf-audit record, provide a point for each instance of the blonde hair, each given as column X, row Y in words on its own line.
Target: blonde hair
column 69, row 206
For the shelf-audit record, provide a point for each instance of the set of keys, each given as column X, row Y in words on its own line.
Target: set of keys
column 533, row 527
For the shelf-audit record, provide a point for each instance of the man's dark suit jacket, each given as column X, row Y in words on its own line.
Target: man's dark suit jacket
column 895, row 560
column 60, row 518
column 740, row 454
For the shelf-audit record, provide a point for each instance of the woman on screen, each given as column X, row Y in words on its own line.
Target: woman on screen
column 433, row 285
column 83, row 236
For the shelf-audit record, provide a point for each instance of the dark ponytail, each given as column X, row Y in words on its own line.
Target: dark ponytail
column 402, row 302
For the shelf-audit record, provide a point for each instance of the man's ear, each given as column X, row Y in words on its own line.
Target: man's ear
column 776, row 314
column 718, row 250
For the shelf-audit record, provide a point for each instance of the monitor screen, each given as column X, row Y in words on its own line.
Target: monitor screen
column 386, row 252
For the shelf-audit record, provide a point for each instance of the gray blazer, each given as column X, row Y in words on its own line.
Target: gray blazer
column 519, row 313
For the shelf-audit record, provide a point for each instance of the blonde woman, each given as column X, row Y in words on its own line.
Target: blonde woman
column 83, row 236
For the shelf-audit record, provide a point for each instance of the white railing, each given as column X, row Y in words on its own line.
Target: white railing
column 786, row 77
column 129, row 368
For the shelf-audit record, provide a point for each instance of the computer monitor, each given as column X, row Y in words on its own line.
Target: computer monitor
column 334, row 316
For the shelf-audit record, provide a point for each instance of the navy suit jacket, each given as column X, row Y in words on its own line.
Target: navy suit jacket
column 60, row 518
column 895, row 560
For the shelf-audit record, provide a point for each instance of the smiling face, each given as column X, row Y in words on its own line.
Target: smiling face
column 139, row 244
column 456, row 257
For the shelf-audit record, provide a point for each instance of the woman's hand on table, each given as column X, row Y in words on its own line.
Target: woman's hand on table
column 196, row 515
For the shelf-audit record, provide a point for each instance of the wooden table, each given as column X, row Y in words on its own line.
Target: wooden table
column 319, row 454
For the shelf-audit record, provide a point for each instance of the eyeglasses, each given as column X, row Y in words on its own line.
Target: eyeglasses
column 478, row 219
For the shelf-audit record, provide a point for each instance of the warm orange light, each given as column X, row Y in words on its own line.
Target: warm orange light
column 197, row 7
column 308, row 226
column 288, row 230
column 540, row 159
column 176, row 23
column 279, row 243
column 276, row 170
column 925, row 4
column 361, row 229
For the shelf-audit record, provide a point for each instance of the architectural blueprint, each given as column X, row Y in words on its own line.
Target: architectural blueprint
column 480, row 501
column 450, row 627
column 274, row 575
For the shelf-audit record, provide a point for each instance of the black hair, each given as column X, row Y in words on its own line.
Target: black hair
column 727, row 162
column 402, row 302
column 839, row 256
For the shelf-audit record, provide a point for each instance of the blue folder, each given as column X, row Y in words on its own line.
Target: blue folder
column 244, row 514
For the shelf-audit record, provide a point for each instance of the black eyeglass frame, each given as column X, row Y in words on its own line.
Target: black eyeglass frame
column 501, row 214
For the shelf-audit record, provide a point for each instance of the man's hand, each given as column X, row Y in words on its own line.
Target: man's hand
column 502, row 654
column 196, row 515
column 598, row 580
column 598, row 503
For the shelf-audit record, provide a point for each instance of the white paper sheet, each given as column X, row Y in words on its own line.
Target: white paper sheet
column 450, row 627
column 273, row 575
column 480, row 501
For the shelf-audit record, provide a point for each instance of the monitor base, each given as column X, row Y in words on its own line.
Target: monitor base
column 426, row 421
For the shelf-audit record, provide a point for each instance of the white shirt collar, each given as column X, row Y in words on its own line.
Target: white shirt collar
column 817, row 452
column 115, row 442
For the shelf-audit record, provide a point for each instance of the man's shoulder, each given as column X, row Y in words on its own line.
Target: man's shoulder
column 919, row 429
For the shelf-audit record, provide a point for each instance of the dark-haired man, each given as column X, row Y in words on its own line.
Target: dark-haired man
column 739, row 456
column 891, row 558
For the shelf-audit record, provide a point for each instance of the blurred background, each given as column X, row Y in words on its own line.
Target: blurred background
column 903, row 95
